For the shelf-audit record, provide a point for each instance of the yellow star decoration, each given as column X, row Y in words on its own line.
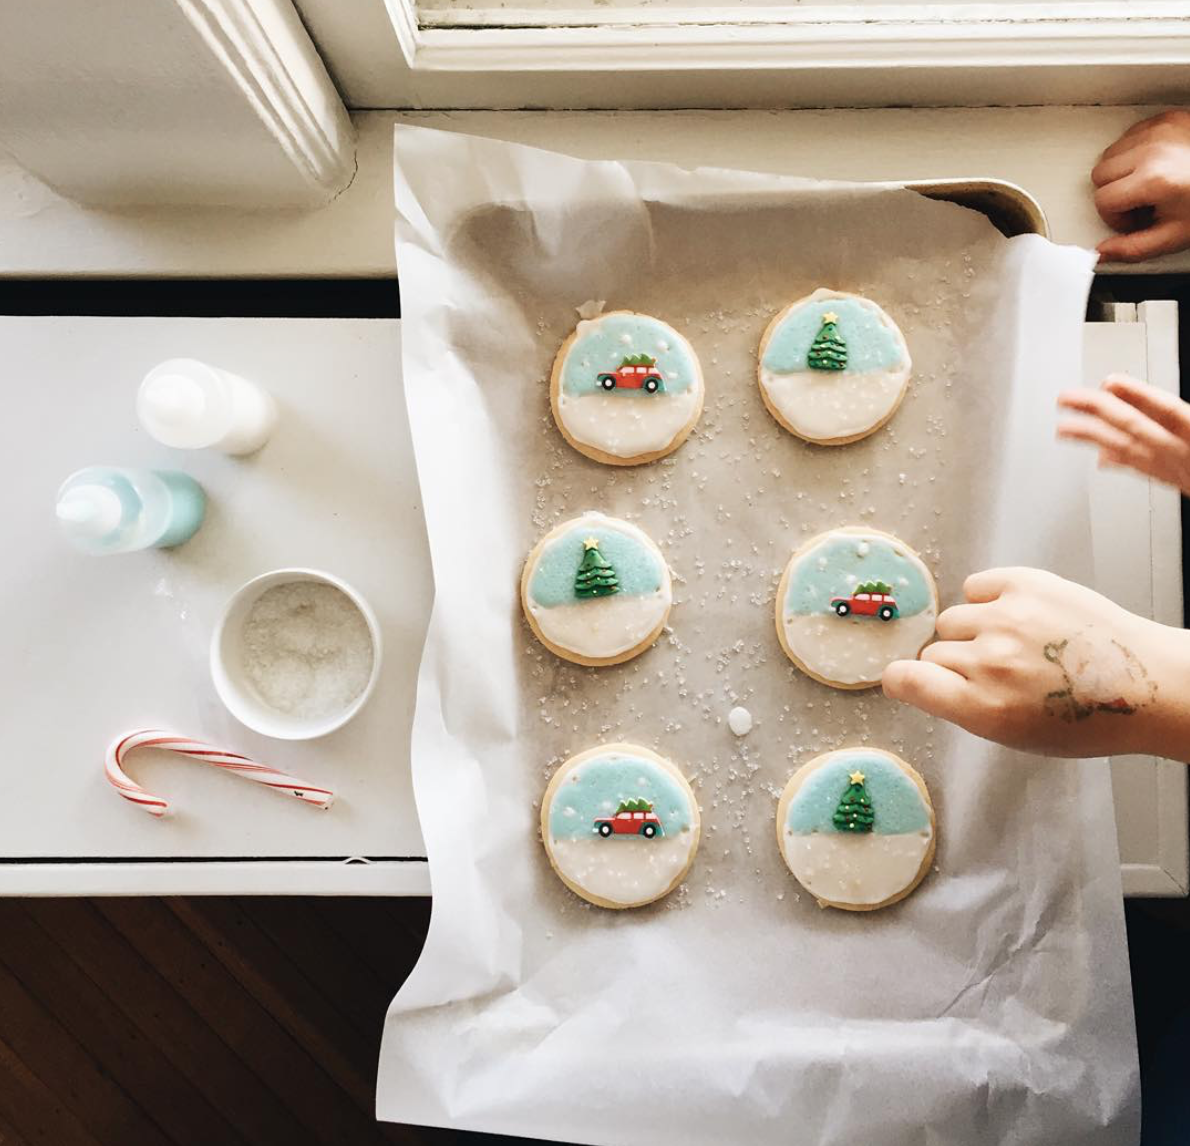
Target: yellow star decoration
column 857, row 777
column 830, row 316
column 590, row 543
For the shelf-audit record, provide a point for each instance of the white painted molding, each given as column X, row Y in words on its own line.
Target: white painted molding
column 404, row 16
column 1160, row 318
column 819, row 54
column 815, row 35
column 172, row 102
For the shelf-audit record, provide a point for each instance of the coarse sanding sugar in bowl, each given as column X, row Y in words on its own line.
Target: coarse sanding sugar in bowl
column 296, row 654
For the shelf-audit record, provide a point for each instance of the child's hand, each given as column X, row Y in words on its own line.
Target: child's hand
column 1143, row 189
column 1134, row 425
column 1045, row 665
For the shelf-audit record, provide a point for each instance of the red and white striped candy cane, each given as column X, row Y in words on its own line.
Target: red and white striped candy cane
column 118, row 752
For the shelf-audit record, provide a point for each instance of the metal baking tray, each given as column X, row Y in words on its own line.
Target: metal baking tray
column 1011, row 209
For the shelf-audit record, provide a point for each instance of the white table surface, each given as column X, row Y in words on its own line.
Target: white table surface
column 98, row 645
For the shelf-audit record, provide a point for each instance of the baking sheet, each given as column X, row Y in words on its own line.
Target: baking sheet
column 994, row 1004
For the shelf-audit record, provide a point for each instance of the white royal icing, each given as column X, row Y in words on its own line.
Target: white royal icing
column 627, row 428
column 859, row 869
column 604, row 627
column 622, row 871
column 822, row 406
column 855, row 650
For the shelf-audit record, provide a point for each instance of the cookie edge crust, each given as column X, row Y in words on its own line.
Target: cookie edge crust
column 885, row 317
column 555, row 783
column 593, row 452
column 783, row 587
column 799, row 777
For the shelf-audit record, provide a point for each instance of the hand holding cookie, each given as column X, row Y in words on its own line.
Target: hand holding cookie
column 1041, row 664
column 1134, row 425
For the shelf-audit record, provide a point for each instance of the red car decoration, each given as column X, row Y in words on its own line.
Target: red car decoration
column 632, row 818
column 638, row 372
column 868, row 601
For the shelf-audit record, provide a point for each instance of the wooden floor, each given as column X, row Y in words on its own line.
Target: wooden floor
column 256, row 1021
column 200, row 1022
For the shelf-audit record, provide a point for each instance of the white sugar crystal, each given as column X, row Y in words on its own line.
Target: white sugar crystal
column 739, row 720
column 592, row 308
column 307, row 650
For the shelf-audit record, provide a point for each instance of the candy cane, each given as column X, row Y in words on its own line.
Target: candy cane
column 118, row 752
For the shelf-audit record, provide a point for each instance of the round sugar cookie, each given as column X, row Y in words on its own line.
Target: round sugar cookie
column 596, row 590
column 626, row 388
column 851, row 601
column 620, row 825
column 833, row 367
column 857, row 828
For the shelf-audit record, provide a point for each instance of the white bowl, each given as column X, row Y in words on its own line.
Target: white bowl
column 236, row 691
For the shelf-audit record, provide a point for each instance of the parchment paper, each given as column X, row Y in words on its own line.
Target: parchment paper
column 993, row 1005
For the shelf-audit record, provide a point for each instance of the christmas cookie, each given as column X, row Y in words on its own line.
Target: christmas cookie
column 856, row 828
column 596, row 590
column 833, row 367
column 620, row 825
column 850, row 602
column 626, row 388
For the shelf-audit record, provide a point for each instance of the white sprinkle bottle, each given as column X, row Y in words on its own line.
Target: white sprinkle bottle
column 189, row 405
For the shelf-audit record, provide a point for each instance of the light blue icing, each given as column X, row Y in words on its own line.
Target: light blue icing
column 896, row 800
column 605, row 342
column 870, row 344
column 834, row 567
column 597, row 787
column 637, row 567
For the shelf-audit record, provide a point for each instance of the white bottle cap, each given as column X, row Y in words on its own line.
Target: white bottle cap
column 184, row 403
column 90, row 511
column 173, row 398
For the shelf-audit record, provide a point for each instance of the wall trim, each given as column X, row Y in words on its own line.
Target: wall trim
column 815, row 36
column 267, row 53
column 173, row 103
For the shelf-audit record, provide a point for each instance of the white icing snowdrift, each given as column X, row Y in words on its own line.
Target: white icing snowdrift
column 862, row 869
column 854, row 650
column 825, row 404
column 625, row 870
column 602, row 626
column 627, row 426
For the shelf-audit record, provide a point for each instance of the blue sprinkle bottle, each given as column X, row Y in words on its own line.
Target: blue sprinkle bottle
column 114, row 509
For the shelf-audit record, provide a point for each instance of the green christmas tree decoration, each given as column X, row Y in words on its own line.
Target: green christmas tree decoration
column 854, row 813
column 595, row 576
column 634, row 806
column 875, row 587
column 638, row 360
column 828, row 351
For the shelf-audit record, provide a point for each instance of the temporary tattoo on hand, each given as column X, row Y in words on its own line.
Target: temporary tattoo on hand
column 1097, row 678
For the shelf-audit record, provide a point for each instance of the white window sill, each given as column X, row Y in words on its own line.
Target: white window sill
column 1048, row 151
